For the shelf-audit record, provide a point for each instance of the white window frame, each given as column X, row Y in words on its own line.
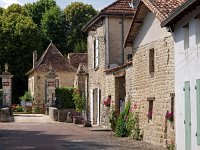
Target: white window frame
column 96, row 53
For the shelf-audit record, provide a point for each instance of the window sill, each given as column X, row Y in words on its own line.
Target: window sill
column 151, row 74
column 95, row 69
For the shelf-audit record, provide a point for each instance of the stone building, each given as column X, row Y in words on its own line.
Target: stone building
column 106, row 34
column 185, row 26
column 150, row 81
column 65, row 69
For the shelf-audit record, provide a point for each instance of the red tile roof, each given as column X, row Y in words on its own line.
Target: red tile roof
column 118, row 67
column 163, row 8
column 180, row 12
column 76, row 58
column 119, row 6
column 54, row 57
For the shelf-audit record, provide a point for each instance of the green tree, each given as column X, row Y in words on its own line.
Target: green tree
column 77, row 15
column 36, row 10
column 14, row 8
column 53, row 27
column 19, row 36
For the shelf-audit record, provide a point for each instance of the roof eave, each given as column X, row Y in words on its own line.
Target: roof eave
column 178, row 11
column 96, row 18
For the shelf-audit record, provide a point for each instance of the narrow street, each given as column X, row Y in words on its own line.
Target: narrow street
column 38, row 132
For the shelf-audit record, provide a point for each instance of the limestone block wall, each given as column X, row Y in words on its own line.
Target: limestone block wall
column 96, row 75
column 117, row 34
column 141, row 86
column 65, row 80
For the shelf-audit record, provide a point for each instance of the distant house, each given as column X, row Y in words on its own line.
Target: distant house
column 184, row 23
column 65, row 70
column 150, row 80
column 106, row 34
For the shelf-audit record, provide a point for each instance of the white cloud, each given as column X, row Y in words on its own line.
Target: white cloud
column 6, row 3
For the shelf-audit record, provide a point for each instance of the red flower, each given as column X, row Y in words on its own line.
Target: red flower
column 107, row 102
column 169, row 116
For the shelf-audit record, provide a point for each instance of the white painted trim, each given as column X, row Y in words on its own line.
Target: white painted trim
column 98, row 105
column 91, row 106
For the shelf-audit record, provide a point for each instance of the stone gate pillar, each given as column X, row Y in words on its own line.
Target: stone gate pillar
column 50, row 91
column 7, row 85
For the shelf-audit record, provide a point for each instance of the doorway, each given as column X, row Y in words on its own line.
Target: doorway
column 120, row 93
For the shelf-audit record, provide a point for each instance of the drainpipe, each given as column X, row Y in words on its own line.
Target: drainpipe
column 122, row 44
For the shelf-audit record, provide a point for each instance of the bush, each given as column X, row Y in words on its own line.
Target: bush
column 79, row 100
column 132, row 126
column 19, row 108
column 113, row 120
column 26, row 97
column 121, row 130
column 64, row 98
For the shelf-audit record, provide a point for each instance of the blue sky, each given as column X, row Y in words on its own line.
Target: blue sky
column 97, row 4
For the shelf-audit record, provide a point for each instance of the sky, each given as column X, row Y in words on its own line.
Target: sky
column 97, row 4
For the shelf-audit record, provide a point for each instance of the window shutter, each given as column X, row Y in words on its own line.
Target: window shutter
column 198, row 110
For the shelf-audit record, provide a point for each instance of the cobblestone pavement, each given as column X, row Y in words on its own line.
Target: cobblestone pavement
column 37, row 132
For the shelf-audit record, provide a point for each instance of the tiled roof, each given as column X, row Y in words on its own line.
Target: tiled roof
column 76, row 58
column 52, row 56
column 118, row 67
column 119, row 6
column 163, row 8
column 181, row 12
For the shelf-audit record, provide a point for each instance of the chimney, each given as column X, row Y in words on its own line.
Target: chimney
column 34, row 58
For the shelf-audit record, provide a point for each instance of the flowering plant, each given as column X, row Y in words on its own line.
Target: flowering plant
column 169, row 116
column 149, row 114
column 106, row 101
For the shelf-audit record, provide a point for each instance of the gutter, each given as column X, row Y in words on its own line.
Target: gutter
column 177, row 12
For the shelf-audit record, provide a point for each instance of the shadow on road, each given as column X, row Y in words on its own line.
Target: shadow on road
column 25, row 140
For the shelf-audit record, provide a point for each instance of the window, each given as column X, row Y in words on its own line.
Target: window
column 172, row 95
column 151, row 61
column 186, row 36
column 150, row 109
column 57, row 83
column 96, row 53
column 197, row 30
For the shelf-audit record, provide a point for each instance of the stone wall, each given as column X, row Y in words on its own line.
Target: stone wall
column 141, row 85
column 65, row 80
column 97, row 77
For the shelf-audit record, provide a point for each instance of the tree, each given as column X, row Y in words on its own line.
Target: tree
column 19, row 36
column 53, row 27
column 36, row 9
column 77, row 15
column 14, row 8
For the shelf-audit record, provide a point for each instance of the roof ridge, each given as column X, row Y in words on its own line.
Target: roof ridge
column 44, row 54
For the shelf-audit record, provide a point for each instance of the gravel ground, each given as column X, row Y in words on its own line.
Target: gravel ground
column 40, row 135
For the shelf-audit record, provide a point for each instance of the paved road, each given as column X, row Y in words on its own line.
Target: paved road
column 38, row 132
